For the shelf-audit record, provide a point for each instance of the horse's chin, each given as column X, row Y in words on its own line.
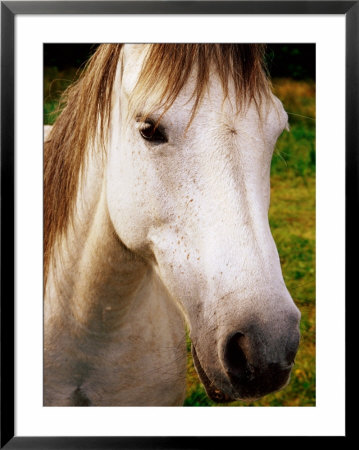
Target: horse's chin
column 213, row 392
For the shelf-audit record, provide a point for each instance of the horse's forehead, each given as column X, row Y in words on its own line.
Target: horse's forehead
column 271, row 110
column 132, row 59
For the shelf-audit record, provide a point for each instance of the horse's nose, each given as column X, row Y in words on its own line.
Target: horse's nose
column 251, row 366
column 239, row 357
column 235, row 356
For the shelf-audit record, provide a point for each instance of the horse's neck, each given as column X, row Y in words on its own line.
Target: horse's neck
column 101, row 305
column 92, row 272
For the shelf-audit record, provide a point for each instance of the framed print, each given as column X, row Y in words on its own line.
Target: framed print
column 146, row 299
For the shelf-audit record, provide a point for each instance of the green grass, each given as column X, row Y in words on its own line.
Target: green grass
column 292, row 220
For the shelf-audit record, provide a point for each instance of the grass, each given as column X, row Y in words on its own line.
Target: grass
column 292, row 220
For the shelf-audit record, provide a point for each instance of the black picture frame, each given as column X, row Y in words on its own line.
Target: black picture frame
column 9, row 10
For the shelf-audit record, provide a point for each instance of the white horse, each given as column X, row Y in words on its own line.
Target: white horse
column 156, row 193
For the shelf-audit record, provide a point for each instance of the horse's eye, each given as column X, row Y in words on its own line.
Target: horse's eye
column 152, row 133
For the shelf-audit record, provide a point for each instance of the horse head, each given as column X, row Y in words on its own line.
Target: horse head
column 188, row 190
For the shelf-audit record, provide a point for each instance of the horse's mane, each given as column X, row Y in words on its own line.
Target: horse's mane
column 88, row 108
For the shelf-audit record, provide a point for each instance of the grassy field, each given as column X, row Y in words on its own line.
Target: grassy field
column 292, row 220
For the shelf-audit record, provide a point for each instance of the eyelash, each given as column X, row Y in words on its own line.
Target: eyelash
column 152, row 133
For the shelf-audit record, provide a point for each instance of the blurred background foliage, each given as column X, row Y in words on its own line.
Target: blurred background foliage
column 292, row 210
column 295, row 61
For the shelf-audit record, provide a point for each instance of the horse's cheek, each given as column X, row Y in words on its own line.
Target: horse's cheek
column 129, row 206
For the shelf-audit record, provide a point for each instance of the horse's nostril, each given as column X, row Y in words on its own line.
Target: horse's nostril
column 234, row 355
column 290, row 357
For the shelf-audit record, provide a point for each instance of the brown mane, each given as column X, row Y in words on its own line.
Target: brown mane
column 88, row 107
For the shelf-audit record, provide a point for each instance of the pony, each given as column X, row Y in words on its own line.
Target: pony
column 156, row 197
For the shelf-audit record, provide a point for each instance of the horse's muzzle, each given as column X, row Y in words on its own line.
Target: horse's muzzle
column 250, row 369
column 251, row 373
